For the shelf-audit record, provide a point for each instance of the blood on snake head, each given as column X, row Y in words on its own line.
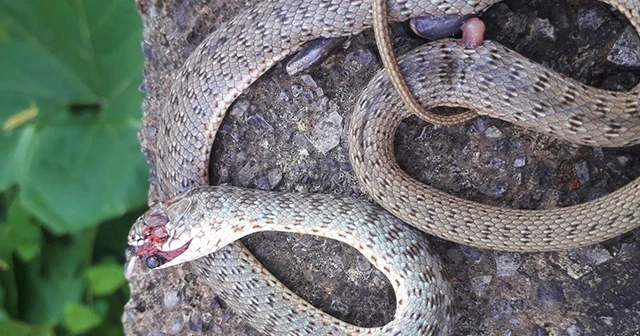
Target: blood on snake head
column 151, row 234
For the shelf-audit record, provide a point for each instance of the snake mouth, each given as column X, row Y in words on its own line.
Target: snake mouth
column 154, row 257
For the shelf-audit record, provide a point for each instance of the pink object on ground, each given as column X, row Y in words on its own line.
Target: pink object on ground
column 473, row 33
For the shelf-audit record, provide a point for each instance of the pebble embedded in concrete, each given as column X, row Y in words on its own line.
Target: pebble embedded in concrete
column 629, row 252
column 590, row 19
column 171, row 299
column 481, row 283
column 239, row 108
column 591, row 255
column 550, row 296
column 582, row 171
column 258, row 122
column 308, row 81
column 327, row 133
column 493, row 132
column 247, row 174
column 174, row 323
column 497, row 163
column 545, row 29
column 626, row 51
column 501, row 310
column 507, row 263
column 474, row 255
column 357, row 60
column 574, row 330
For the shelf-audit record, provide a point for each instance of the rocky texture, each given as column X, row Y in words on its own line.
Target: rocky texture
column 288, row 134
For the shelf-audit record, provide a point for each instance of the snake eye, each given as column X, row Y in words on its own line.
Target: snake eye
column 153, row 261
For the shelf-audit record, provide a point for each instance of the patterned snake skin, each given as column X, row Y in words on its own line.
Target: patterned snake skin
column 491, row 80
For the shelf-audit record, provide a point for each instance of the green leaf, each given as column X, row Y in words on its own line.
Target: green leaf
column 70, row 109
column 105, row 278
column 17, row 328
column 55, row 279
column 23, row 232
column 3, row 312
column 8, row 285
column 79, row 318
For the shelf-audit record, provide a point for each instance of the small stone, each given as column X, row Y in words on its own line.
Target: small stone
column 626, row 51
column 629, row 252
column 623, row 160
column 363, row 264
column 574, row 330
column 339, row 261
column 208, row 317
column 296, row 90
column 473, row 254
column 262, row 183
column 357, row 60
column 574, row 269
column 247, row 174
column 479, row 125
column 501, row 310
column 582, row 171
column 499, row 190
column 520, row 161
column 216, row 329
column 592, row 255
column 339, row 306
column 480, row 284
column 195, row 324
column 175, row 323
column 598, row 153
column 590, row 19
column 327, row 133
column 171, row 299
column 151, row 131
column 545, row 29
column 274, row 176
column 507, row 263
column 493, row 132
column 308, row 96
column 497, row 163
column 502, row 146
column 550, row 296
column 239, row 108
column 309, row 241
column 308, row 81
column 299, row 250
column 284, row 96
column 258, row 122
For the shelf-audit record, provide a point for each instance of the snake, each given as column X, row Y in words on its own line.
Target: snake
column 191, row 222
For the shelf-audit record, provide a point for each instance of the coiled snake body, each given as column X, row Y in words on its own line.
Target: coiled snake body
column 492, row 80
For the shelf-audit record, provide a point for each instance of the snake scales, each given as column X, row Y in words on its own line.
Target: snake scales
column 240, row 51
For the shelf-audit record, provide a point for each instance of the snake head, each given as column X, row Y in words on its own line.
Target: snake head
column 158, row 237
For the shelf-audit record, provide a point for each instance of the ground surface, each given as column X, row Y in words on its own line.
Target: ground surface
column 289, row 134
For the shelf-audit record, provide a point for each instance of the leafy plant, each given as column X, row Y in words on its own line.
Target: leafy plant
column 71, row 170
